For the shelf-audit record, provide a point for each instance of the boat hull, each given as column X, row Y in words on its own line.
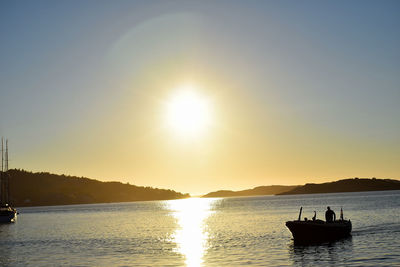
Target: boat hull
column 8, row 216
column 319, row 231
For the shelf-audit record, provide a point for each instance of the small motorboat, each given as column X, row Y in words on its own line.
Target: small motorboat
column 316, row 231
column 7, row 214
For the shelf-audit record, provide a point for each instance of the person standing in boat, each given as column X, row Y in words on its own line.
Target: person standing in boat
column 330, row 215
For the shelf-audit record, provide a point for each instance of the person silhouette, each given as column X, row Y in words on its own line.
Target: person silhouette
column 330, row 215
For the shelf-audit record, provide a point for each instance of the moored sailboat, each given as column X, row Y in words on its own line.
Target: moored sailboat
column 7, row 213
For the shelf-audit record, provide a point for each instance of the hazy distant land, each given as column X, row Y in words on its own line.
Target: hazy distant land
column 42, row 189
column 260, row 190
column 345, row 185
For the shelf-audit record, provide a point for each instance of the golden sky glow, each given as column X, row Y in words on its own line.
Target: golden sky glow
column 202, row 97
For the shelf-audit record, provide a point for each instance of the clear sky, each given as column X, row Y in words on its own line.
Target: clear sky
column 296, row 91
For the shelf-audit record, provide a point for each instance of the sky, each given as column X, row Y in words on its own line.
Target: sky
column 296, row 91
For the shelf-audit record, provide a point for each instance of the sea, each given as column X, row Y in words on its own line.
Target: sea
column 238, row 231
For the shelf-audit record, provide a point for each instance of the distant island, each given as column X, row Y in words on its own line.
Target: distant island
column 260, row 190
column 45, row 189
column 346, row 185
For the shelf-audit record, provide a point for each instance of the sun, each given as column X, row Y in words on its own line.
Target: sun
column 188, row 113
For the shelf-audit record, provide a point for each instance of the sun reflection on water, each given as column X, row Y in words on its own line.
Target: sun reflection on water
column 191, row 235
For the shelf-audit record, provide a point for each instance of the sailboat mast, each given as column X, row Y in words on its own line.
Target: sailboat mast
column 2, row 176
column 7, row 175
column 6, row 155
column 2, row 154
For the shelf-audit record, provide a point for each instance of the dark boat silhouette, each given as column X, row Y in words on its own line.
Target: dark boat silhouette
column 316, row 231
column 7, row 213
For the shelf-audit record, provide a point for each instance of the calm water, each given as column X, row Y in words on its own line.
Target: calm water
column 202, row 232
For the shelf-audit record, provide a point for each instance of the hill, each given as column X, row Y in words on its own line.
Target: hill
column 346, row 185
column 38, row 189
column 260, row 190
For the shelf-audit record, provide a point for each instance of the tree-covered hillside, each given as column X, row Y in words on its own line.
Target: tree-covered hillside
column 37, row 189
column 347, row 185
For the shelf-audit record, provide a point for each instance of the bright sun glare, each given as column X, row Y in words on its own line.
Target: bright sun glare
column 191, row 235
column 188, row 112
